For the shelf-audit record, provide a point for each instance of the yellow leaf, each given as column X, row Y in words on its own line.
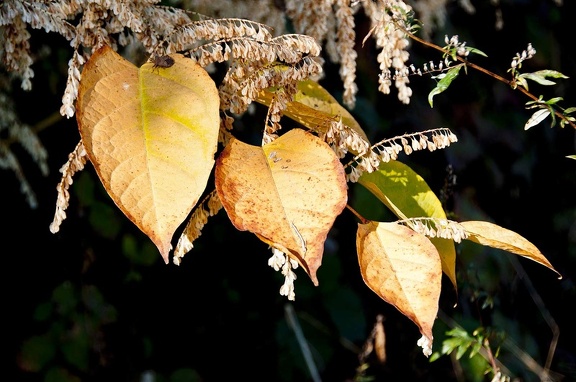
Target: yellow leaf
column 315, row 108
column 403, row 268
column 493, row 235
column 287, row 192
column 151, row 134
column 408, row 195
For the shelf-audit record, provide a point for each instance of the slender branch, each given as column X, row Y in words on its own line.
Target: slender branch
column 508, row 82
column 304, row 348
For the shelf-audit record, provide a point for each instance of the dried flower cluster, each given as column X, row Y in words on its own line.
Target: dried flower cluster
column 343, row 139
column 388, row 149
column 389, row 25
column 207, row 208
column 12, row 131
column 76, row 161
column 280, row 261
column 434, row 227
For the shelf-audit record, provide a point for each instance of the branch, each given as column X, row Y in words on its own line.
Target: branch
column 510, row 83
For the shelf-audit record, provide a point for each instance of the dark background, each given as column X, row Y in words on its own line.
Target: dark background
column 96, row 302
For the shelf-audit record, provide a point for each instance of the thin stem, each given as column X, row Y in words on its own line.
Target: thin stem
column 508, row 82
column 360, row 217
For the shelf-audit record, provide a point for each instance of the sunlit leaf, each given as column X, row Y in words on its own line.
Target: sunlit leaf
column 287, row 192
column 541, row 75
column 494, row 236
column 536, row 118
column 408, row 195
column 538, row 78
column 315, row 108
column 476, row 51
column 403, row 268
column 151, row 134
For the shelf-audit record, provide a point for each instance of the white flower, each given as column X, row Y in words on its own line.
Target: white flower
column 426, row 344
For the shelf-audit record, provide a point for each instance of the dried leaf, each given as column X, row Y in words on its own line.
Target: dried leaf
column 403, row 268
column 287, row 192
column 493, row 235
column 408, row 195
column 151, row 134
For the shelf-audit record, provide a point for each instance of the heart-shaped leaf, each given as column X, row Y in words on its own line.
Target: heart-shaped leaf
column 403, row 268
column 287, row 192
column 408, row 195
column 151, row 134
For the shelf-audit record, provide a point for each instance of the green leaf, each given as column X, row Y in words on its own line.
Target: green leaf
column 462, row 350
column 522, row 82
column 476, row 51
column 554, row 100
column 536, row 78
column 37, row 352
column 550, row 73
column 408, row 195
column 444, row 83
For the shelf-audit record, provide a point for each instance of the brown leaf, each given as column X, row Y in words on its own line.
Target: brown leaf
column 151, row 134
column 403, row 268
column 287, row 192
column 493, row 235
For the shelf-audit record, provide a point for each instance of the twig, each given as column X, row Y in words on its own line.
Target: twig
column 545, row 314
column 304, row 348
column 485, row 71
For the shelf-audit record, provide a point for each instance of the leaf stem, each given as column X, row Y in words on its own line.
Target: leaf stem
column 362, row 219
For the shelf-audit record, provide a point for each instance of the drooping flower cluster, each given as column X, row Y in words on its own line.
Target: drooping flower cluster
column 205, row 209
column 388, row 149
column 434, row 227
column 390, row 21
column 342, row 139
column 76, row 161
column 279, row 260
column 12, row 131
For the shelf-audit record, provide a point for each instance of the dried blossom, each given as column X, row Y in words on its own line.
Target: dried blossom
column 390, row 20
column 280, row 261
column 435, row 227
column 388, row 149
column 205, row 209
column 75, row 163
column 71, row 92
column 18, row 132
column 345, row 45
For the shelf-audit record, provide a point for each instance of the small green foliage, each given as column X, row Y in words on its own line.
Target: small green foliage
column 445, row 81
column 546, row 108
column 479, row 343
column 539, row 77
